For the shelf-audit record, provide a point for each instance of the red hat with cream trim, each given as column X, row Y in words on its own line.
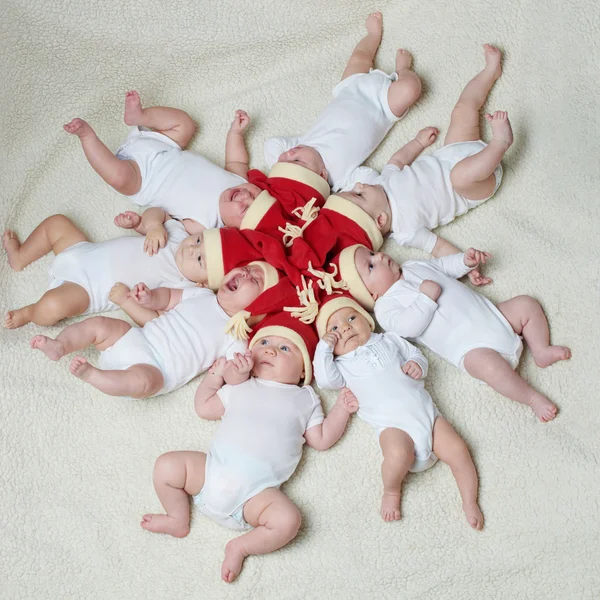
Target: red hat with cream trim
column 344, row 268
column 334, row 302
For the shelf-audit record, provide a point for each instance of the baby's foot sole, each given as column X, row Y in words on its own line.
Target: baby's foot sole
column 232, row 563
column 501, row 128
column 543, row 408
column 11, row 244
column 16, row 318
column 53, row 349
column 403, row 60
column 133, row 108
column 550, row 355
column 390, row 507
column 374, row 24
column 493, row 60
column 81, row 368
column 474, row 516
column 127, row 220
column 165, row 524
column 79, row 127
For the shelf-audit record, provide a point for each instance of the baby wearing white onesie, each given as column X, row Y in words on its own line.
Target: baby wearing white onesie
column 183, row 183
column 348, row 129
column 97, row 266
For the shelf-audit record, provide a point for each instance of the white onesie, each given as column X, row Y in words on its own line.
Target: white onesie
column 96, row 267
column 183, row 183
column 348, row 129
column 460, row 321
column 181, row 343
column 386, row 396
column 257, row 446
column 421, row 195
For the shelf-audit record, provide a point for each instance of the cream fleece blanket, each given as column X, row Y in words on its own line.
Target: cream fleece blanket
column 76, row 465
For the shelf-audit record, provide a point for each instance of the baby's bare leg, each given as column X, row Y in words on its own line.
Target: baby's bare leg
column 405, row 91
column 398, row 455
column 450, row 448
column 177, row 475
column 488, row 366
column 66, row 300
column 464, row 123
column 123, row 175
column 361, row 60
column 276, row 521
column 172, row 122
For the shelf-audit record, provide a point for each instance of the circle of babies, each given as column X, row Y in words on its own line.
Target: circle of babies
column 262, row 280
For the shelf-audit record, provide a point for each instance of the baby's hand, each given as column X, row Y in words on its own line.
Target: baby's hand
column 427, row 136
column 118, row 293
column 141, row 293
column 218, row 367
column 332, row 338
column 240, row 121
column 156, row 238
column 412, row 369
column 348, row 401
column 127, row 220
column 476, row 257
column 430, row 289
column 477, row 279
column 242, row 363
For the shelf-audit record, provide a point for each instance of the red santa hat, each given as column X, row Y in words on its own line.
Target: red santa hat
column 334, row 302
column 348, row 278
column 285, row 326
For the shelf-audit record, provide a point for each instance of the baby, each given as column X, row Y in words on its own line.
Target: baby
column 170, row 349
column 416, row 194
column 422, row 300
column 266, row 419
column 83, row 273
column 386, row 374
column 366, row 104
column 154, row 169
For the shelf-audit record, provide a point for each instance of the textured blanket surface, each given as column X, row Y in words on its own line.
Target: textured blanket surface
column 76, row 466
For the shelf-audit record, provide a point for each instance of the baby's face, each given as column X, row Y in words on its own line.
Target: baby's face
column 278, row 359
column 306, row 157
column 240, row 287
column 191, row 260
column 235, row 201
column 373, row 200
column 353, row 328
column 377, row 270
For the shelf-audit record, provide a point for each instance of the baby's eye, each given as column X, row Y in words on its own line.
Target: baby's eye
column 334, row 328
column 371, row 253
column 200, row 259
column 285, row 348
column 350, row 319
column 264, row 342
column 370, row 266
column 198, row 240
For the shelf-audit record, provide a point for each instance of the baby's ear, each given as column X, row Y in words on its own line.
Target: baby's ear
column 202, row 285
column 375, row 296
column 381, row 221
column 325, row 174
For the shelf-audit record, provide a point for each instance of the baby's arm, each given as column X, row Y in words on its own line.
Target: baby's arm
column 120, row 294
column 152, row 226
column 327, row 374
column 325, row 435
column 238, row 369
column 412, row 320
column 158, row 299
column 236, row 154
column 207, row 403
column 415, row 364
column 445, row 248
column 459, row 264
column 407, row 154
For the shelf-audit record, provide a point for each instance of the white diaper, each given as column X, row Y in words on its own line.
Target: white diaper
column 235, row 521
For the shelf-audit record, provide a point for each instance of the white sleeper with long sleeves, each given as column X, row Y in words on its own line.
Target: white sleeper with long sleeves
column 387, row 397
column 460, row 321
column 183, row 183
column 348, row 129
column 181, row 343
column 258, row 444
column 96, row 267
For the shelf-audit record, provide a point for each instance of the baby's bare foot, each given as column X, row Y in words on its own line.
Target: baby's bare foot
column 403, row 60
column 11, row 244
column 390, row 507
column 232, row 564
column 474, row 515
column 548, row 356
column 81, row 368
column 543, row 408
column 501, row 129
column 165, row 524
column 53, row 349
column 79, row 127
column 133, row 108
column 128, row 220
column 17, row 318
column 493, row 60
column 374, row 24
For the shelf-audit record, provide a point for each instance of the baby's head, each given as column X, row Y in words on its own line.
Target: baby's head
column 243, row 285
column 190, row 258
column 235, row 201
column 341, row 314
column 307, row 157
column 282, row 350
column 374, row 201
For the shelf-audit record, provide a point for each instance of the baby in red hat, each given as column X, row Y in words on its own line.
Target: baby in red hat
column 266, row 419
column 169, row 349
column 423, row 301
column 386, row 374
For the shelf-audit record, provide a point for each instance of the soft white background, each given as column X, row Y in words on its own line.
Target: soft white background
column 76, row 466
